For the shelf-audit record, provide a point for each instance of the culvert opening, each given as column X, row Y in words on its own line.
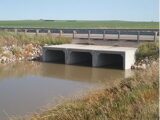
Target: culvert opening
column 55, row 56
column 81, row 58
column 110, row 61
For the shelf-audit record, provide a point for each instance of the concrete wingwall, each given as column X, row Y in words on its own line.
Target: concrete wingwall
column 122, row 60
column 129, row 59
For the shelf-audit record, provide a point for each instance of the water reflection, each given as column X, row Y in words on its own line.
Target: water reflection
column 68, row 72
column 26, row 86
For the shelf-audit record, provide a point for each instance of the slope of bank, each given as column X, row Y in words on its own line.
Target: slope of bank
column 132, row 98
column 25, row 47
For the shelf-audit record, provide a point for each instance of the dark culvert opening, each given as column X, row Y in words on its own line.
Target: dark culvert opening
column 110, row 61
column 81, row 58
column 55, row 56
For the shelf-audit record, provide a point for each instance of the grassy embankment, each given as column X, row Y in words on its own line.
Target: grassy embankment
column 134, row 98
column 9, row 39
column 80, row 24
column 18, row 47
column 149, row 50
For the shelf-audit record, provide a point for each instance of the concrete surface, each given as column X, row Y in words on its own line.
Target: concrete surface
column 94, row 55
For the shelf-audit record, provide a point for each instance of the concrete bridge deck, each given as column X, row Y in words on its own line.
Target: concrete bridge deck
column 92, row 55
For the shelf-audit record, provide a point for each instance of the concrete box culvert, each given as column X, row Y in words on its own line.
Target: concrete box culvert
column 55, row 56
column 80, row 58
column 110, row 60
column 91, row 55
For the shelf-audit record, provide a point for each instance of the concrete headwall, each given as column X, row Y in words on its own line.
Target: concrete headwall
column 129, row 59
column 95, row 56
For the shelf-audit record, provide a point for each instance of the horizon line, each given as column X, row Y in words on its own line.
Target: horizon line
column 76, row 20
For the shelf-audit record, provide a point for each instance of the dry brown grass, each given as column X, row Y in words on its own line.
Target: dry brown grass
column 134, row 98
column 9, row 39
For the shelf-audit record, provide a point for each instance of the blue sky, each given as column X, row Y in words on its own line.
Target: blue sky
column 130, row 10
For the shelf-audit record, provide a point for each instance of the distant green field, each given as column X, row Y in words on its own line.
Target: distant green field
column 80, row 24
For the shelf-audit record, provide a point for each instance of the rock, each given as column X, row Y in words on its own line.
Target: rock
column 31, row 58
column 3, row 59
column 143, row 66
column 154, row 63
column 146, row 59
column 136, row 67
column 20, row 59
column 142, row 61
column 28, row 52
column 133, row 67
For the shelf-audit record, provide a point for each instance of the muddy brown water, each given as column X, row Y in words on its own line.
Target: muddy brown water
column 27, row 87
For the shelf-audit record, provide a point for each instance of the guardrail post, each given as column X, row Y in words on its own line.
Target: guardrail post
column 104, row 35
column 15, row 31
column 25, row 31
column 74, row 32
column 60, row 33
column 119, row 32
column 89, row 35
column 155, row 36
column 5, row 30
column 138, row 36
column 37, row 32
column 49, row 32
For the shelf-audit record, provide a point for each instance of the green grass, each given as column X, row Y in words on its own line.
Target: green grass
column 80, row 24
column 150, row 50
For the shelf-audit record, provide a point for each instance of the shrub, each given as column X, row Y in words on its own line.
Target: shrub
column 147, row 50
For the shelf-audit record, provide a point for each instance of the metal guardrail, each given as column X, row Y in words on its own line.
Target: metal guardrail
column 79, row 30
column 89, row 32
